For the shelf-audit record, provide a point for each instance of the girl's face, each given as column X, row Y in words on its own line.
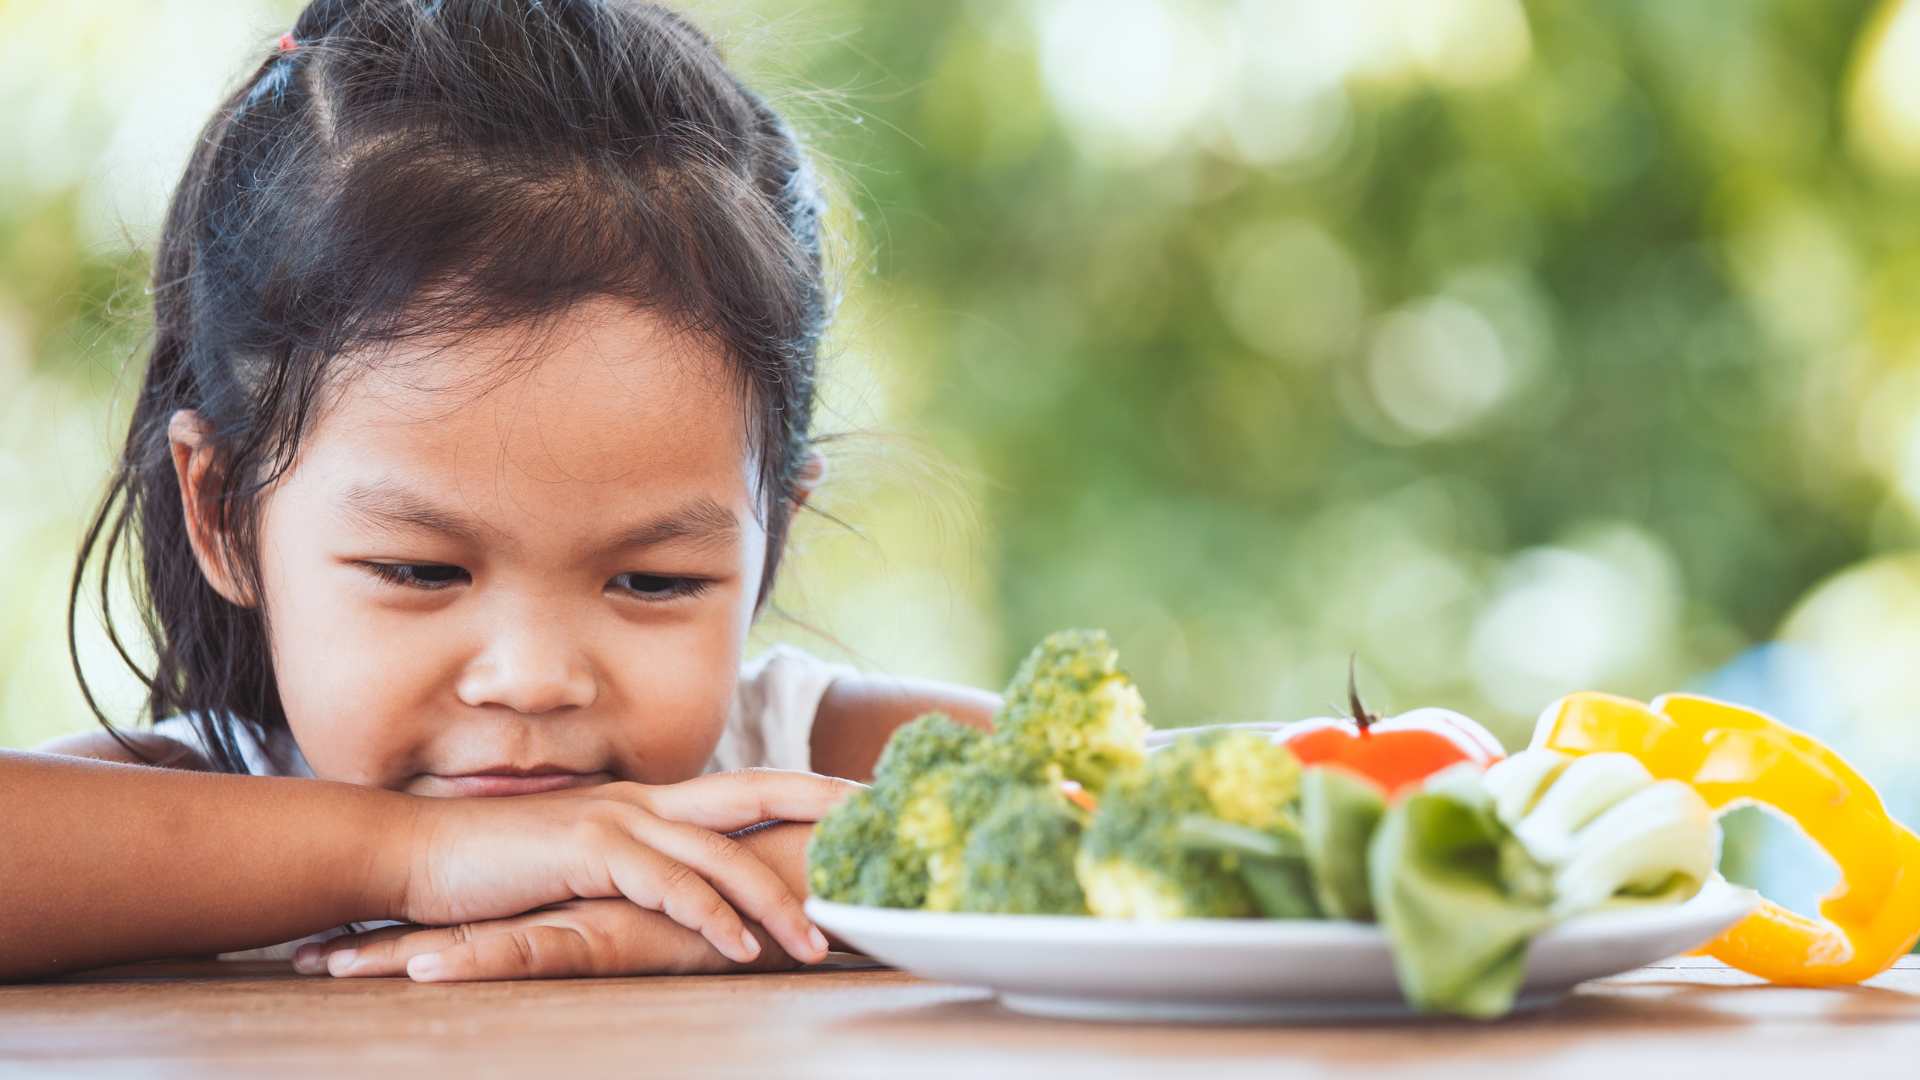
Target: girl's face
column 487, row 580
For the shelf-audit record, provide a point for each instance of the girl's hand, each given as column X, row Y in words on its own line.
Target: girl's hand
column 572, row 939
column 575, row 939
column 663, row 848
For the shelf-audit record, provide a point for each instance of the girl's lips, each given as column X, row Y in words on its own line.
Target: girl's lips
column 485, row 785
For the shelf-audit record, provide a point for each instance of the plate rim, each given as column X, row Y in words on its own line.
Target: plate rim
column 1716, row 894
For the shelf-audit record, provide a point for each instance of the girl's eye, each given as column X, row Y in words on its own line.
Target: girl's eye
column 417, row 575
column 659, row 587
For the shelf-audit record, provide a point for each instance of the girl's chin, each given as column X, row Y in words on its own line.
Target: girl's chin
column 495, row 785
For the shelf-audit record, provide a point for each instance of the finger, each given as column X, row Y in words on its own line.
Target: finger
column 727, row 801
column 311, row 958
column 523, row 952
column 747, row 883
column 628, row 942
column 658, row 882
column 662, row 947
column 772, row 957
column 387, row 957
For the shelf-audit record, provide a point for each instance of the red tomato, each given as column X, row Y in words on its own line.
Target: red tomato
column 1393, row 753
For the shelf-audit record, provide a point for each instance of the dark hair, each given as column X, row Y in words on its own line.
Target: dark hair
column 402, row 169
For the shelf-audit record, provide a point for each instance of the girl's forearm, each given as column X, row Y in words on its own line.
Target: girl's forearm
column 103, row 863
column 858, row 715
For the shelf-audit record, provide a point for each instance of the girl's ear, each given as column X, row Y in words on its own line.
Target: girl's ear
column 811, row 473
column 190, row 439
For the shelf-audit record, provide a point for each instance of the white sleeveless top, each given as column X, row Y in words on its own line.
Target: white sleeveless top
column 769, row 725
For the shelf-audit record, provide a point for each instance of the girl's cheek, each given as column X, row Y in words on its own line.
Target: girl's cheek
column 677, row 699
column 356, row 682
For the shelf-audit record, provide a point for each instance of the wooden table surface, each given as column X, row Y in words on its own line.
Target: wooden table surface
column 1686, row 1018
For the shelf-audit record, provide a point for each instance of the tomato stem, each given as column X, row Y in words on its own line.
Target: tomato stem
column 1362, row 719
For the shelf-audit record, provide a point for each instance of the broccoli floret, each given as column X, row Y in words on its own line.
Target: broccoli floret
column 1019, row 859
column 899, row 844
column 845, row 842
column 1247, row 779
column 929, row 835
column 924, row 744
column 1070, row 713
column 892, row 876
column 948, row 806
column 867, row 851
column 1134, row 862
column 913, row 775
column 1070, row 705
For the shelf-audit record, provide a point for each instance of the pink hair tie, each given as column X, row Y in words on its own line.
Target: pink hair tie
column 288, row 42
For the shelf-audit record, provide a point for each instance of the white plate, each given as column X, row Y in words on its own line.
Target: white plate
column 1239, row 969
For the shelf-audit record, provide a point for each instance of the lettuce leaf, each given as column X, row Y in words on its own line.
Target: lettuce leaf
column 1458, row 897
column 1338, row 815
column 1271, row 863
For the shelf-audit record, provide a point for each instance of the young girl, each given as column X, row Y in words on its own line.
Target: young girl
column 476, row 415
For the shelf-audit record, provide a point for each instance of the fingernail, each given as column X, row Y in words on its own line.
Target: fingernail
column 306, row 960
column 749, row 944
column 425, row 967
column 341, row 962
column 818, row 939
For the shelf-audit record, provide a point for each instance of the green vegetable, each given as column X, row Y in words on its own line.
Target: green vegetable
column 950, row 804
column 892, row 876
column 875, row 847
column 1659, row 845
column 1019, row 859
column 1574, row 795
column 1069, row 712
column 1273, row 866
column 919, row 747
column 1338, row 815
column 1611, row 833
column 1072, row 707
column 1467, row 870
column 1137, row 860
column 853, row 856
column 1457, row 895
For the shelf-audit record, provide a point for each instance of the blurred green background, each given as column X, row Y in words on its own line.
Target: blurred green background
column 1516, row 348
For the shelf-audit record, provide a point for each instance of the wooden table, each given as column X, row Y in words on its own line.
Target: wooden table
column 1687, row 1018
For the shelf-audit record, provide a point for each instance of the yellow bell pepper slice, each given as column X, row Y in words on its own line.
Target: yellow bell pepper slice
column 1734, row 756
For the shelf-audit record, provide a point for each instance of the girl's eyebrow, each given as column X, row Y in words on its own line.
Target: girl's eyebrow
column 388, row 506
column 700, row 520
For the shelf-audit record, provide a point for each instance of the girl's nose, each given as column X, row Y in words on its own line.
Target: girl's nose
column 530, row 672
